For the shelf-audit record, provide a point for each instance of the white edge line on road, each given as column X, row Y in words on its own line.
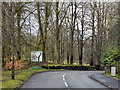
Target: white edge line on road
column 65, row 84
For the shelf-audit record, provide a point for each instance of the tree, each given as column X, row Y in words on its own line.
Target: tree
column 43, row 33
column 81, row 37
column 13, row 40
column 67, row 32
column 111, row 58
column 3, row 36
column 73, row 21
column 57, row 33
column 93, row 34
column 118, row 64
column 99, row 36
column 19, row 30
column 41, row 30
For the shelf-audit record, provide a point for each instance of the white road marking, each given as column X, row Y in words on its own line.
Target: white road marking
column 64, row 75
column 64, row 79
column 65, row 84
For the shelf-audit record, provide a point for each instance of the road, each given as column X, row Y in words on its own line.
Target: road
column 63, row 79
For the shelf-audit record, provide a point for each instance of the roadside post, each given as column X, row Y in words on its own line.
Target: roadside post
column 113, row 71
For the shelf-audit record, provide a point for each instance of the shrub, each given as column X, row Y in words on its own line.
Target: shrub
column 18, row 65
column 118, row 68
column 111, row 58
column 71, row 67
column 36, row 67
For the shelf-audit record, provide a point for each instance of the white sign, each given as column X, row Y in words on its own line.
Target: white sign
column 36, row 56
column 113, row 71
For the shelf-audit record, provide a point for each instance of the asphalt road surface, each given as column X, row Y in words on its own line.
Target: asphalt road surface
column 63, row 79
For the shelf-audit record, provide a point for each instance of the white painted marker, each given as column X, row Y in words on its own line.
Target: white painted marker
column 65, row 84
column 64, row 75
column 64, row 79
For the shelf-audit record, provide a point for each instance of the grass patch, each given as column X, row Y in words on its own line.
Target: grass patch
column 11, row 84
column 109, row 74
column 20, row 77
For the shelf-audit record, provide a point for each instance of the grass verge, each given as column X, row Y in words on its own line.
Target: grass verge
column 116, row 77
column 20, row 77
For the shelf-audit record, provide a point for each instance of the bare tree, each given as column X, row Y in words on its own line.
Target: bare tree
column 93, row 33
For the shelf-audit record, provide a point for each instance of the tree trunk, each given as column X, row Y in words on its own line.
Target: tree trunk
column 72, row 34
column 57, row 34
column 81, row 39
column 3, row 34
column 19, row 31
column 41, row 32
column 19, row 35
column 93, row 35
column 119, row 37
column 98, row 35
column 45, row 32
column 53, row 54
column 13, row 40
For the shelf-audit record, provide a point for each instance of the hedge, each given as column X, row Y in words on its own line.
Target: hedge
column 73, row 67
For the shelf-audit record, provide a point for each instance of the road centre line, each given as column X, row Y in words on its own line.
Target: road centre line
column 64, row 75
column 65, row 84
column 63, row 79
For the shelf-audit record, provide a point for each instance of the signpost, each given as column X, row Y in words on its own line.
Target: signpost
column 36, row 56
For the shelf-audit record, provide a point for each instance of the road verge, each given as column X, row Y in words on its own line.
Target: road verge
column 103, row 83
